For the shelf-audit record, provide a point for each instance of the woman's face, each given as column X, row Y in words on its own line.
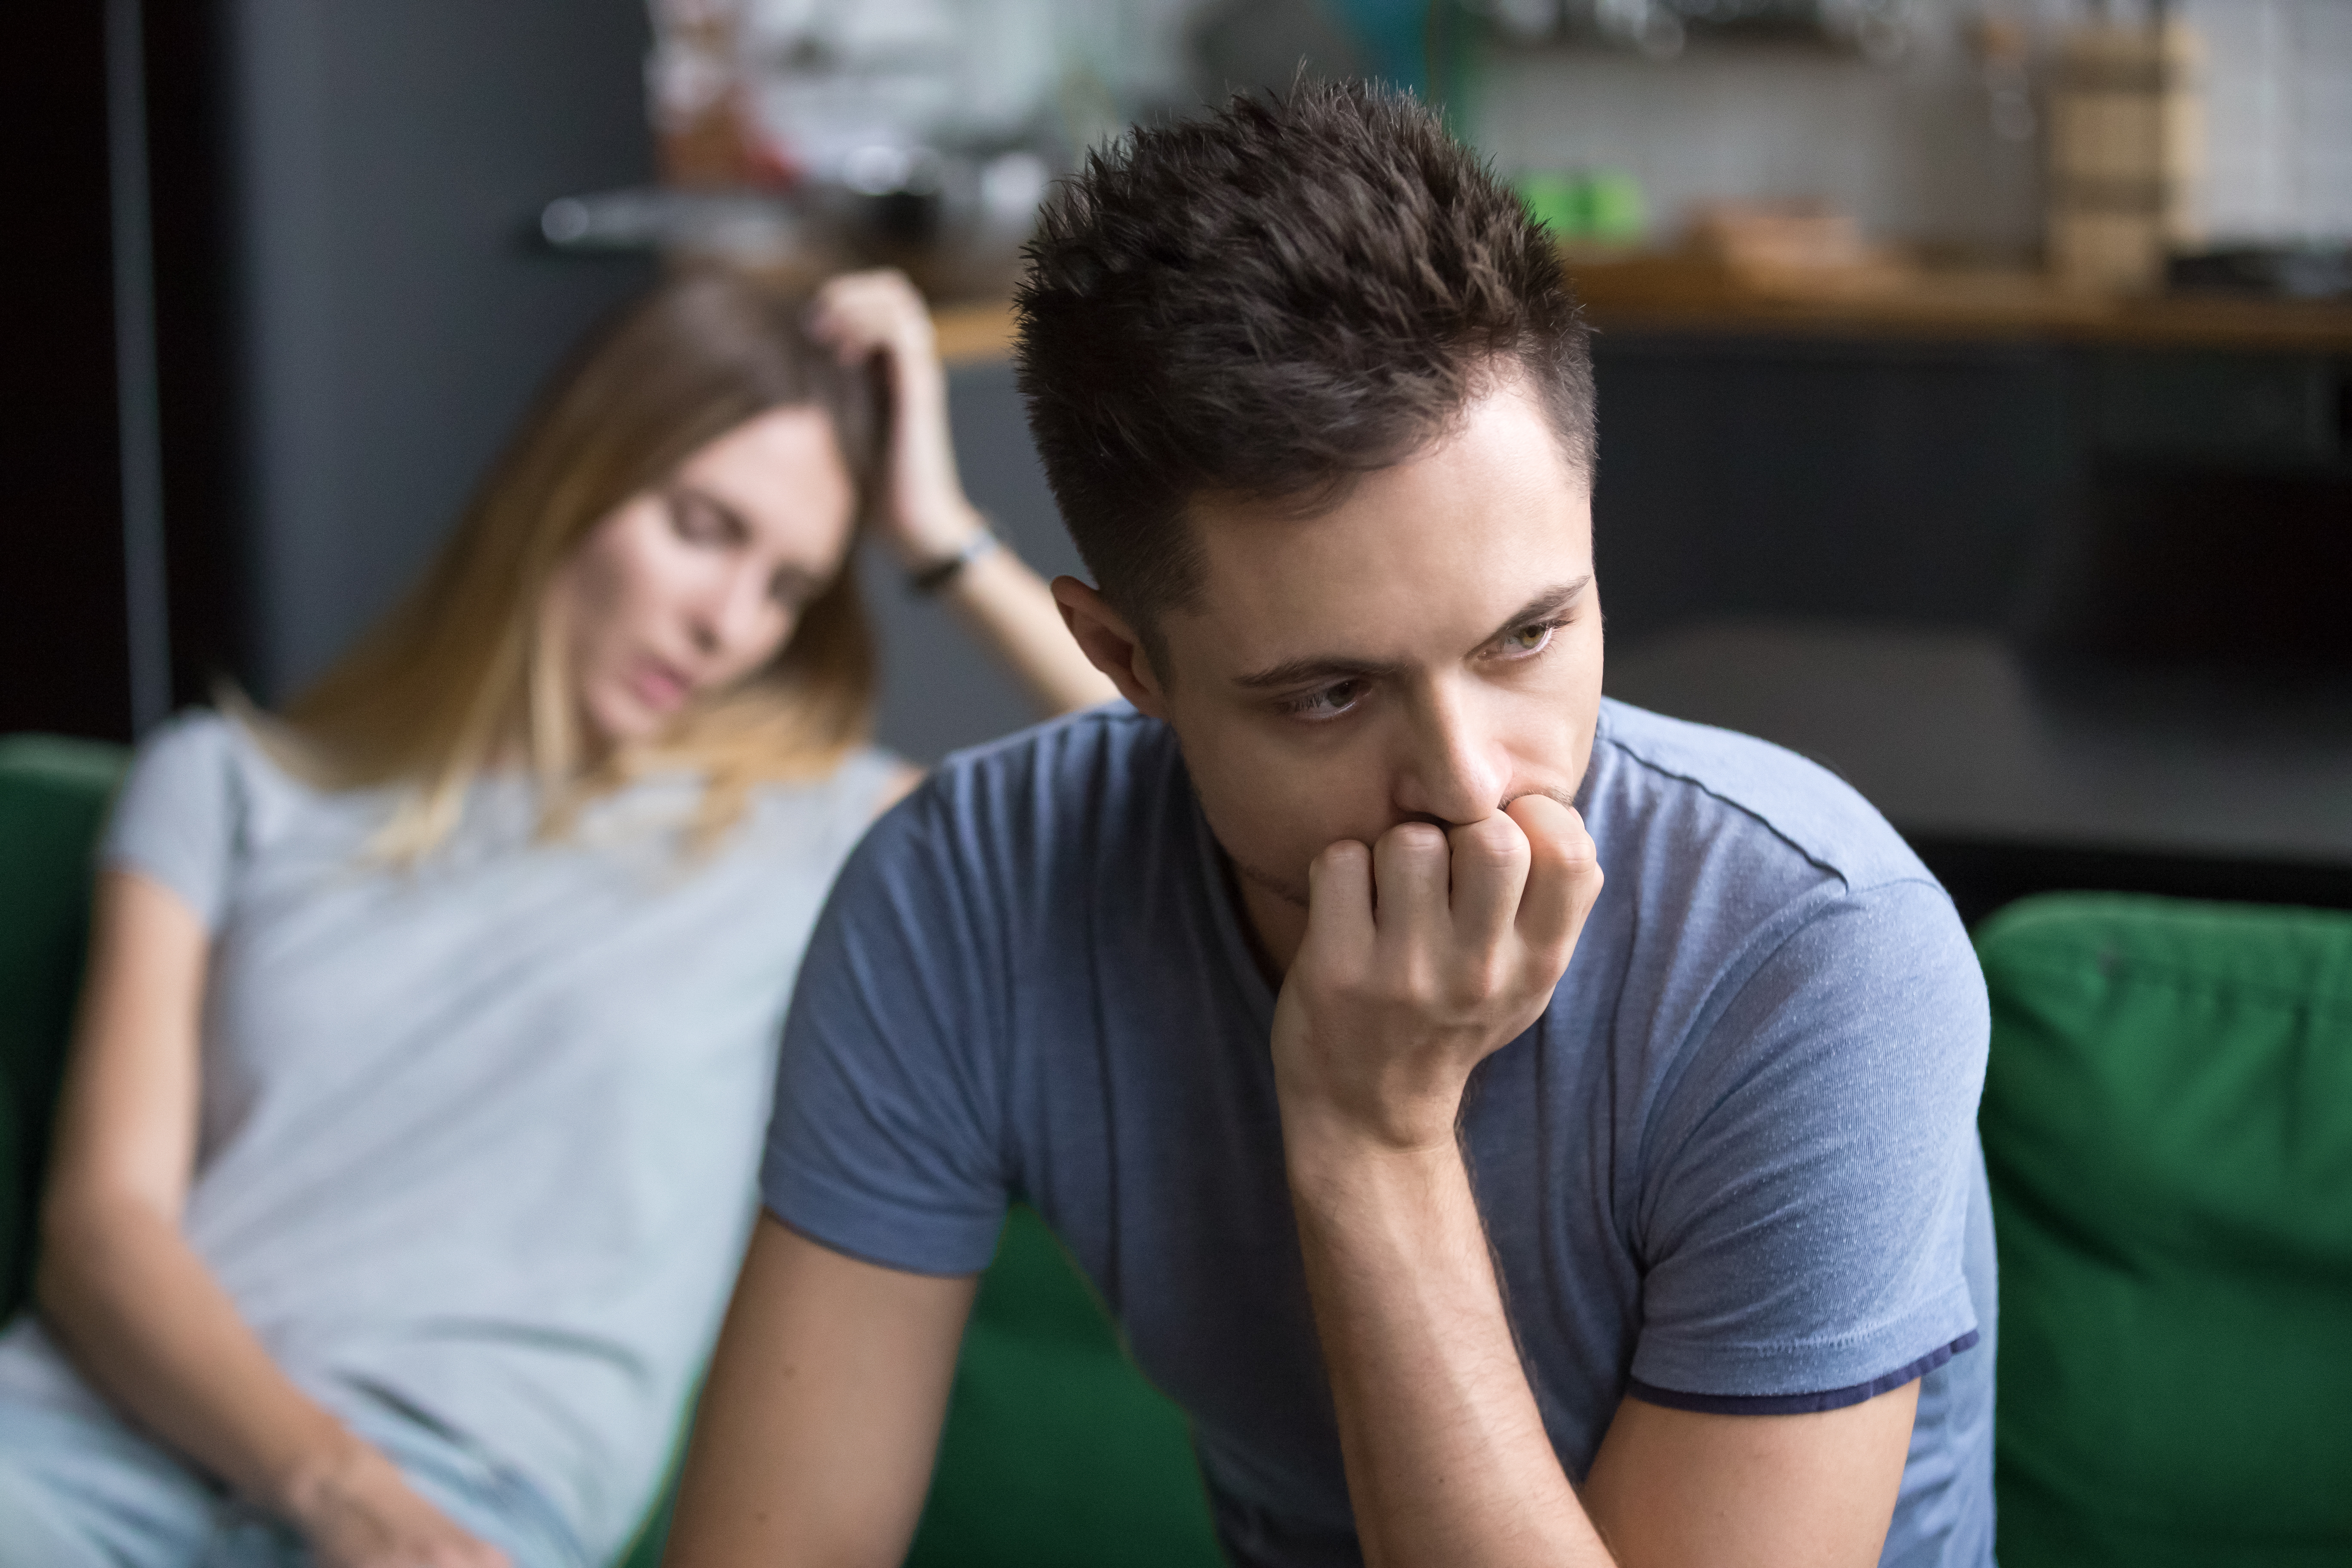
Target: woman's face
column 691, row 586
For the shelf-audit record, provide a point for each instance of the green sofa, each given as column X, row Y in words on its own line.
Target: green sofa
column 1056, row 1449
column 2167, row 1124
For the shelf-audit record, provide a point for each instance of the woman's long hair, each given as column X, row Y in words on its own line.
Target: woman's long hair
column 467, row 670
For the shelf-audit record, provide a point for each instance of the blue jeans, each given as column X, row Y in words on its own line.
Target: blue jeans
column 87, row 1491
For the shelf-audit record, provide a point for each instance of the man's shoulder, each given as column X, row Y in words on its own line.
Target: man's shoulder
column 1058, row 773
column 1035, row 806
column 1111, row 735
column 1679, row 787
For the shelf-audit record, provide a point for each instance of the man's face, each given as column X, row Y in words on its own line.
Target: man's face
column 1429, row 650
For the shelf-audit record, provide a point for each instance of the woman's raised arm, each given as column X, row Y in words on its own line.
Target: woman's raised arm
column 923, row 516
column 132, row 1305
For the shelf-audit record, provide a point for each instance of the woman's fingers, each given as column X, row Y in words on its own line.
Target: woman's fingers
column 860, row 313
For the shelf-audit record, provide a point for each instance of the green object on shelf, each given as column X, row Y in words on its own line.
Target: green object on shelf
column 1604, row 206
column 2167, row 1124
column 1057, row 1450
column 1614, row 208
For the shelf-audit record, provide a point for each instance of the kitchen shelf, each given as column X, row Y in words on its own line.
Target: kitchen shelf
column 1695, row 294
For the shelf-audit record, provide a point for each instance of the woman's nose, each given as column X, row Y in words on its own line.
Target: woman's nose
column 730, row 612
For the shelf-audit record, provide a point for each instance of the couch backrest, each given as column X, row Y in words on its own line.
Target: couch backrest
column 2168, row 1124
column 53, row 796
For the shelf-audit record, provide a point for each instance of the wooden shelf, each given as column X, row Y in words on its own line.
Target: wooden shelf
column 1693, row 294
column 974, row 334
column 1689, row 294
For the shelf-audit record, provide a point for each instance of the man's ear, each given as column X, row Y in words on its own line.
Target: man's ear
column 1110, row 645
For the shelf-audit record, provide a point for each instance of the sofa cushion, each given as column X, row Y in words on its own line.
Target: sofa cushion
column 1057, row 1450
column 53, row 796
column 2167, row 1124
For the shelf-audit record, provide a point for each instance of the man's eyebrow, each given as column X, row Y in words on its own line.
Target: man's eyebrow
column 1324, row 669
column 1314, row 669
column 1548, row 603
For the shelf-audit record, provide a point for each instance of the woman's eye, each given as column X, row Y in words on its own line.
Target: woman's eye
column 693, row 521
column 1326, row 702
column 1533, row 637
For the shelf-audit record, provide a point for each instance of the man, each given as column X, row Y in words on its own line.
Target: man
column 1476, row 1212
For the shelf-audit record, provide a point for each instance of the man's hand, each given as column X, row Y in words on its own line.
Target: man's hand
column 357, row 1510
column 1424, row 954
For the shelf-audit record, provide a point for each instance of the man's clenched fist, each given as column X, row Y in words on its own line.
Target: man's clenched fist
column 1424, row 953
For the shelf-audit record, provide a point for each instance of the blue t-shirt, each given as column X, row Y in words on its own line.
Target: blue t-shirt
column 1734, row 1166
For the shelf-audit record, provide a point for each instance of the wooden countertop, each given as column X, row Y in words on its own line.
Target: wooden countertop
column 973, row 335
column 1669, row 293
column 1690, row 294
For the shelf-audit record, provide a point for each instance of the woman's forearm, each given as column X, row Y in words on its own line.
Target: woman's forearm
column 923, row 516
column 152, row 1331
column 1009, row 608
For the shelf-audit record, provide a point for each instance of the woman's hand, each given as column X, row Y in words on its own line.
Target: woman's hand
column 357, row 1510
column 922, row 515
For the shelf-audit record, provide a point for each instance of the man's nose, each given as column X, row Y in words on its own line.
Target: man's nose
column 1457, row 771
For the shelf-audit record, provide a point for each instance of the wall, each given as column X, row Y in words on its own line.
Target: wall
column 394, row 311
column 2279, row 103
column 63, row 655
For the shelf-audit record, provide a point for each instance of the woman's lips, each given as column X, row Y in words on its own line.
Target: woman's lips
column 658, row 686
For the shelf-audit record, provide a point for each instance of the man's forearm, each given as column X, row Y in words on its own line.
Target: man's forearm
column 1446, row 1456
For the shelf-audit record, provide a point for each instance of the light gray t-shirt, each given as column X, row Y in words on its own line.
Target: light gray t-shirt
column 479, row 1138
column 1733, row 1167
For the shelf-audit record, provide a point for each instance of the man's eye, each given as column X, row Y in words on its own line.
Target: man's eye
column 1326, row 702
column 1533, row 637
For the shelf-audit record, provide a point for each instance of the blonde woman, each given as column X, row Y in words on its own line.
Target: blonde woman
column 406, row 1147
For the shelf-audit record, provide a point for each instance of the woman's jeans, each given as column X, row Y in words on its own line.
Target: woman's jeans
column 86, row 1491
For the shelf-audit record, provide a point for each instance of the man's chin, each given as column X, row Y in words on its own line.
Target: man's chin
column 1291, row 890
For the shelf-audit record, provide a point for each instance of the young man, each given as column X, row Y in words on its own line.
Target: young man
column 1477, row 1212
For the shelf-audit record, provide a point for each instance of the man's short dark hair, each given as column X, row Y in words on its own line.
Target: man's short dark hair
column 1267, row 302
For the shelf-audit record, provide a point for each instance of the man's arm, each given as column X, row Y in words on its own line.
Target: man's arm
column 818, row 1424
column 1388, row 1007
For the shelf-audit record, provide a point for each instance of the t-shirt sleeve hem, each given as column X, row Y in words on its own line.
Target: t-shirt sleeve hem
column 890, row 1235
column 174, row 820
column 1801, row 1404
column 1790, row 1368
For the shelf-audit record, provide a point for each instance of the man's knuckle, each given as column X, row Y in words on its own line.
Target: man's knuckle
column 1492, row 850
column 1417, row 838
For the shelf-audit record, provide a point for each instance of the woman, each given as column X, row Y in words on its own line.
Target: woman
column 406, row 1149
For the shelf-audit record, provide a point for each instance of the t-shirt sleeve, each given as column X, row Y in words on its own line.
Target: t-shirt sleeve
column 884, row 1141
column 1804, row 1225
column 177, row 819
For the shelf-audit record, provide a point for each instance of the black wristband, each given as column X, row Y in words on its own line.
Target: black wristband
column 938, row 575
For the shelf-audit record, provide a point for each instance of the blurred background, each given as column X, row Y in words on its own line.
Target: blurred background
column 1976, row 376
